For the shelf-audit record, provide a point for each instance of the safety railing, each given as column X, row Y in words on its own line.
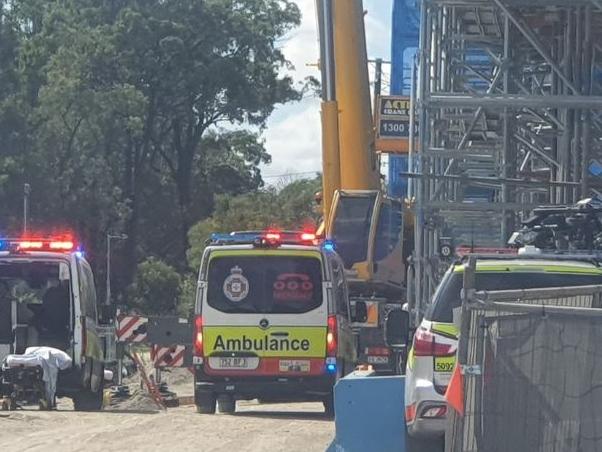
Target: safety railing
column 529, row 374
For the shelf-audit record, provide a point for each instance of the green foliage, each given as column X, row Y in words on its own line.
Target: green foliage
column 187, row 296
column 113, row 112
column 292, row 208
column 156, row 288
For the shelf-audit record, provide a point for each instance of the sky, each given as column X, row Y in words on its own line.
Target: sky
column 293, row 135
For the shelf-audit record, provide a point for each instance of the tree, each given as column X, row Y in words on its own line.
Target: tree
column 133, row 116
column 292, row 208
column 200, row 64
column 156, row 288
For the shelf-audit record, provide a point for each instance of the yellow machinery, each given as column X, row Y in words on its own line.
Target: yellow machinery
column 365, row 225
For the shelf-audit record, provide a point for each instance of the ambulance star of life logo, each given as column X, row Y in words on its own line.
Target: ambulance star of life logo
column 236, row 286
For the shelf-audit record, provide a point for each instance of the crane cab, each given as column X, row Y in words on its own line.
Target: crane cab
column 368, row 230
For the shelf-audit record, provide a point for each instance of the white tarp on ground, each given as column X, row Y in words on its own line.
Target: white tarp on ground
column 51, row 360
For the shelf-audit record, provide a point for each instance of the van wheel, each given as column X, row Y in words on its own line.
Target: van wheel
column 205, row 404
column 88, row 401
column 226, row 404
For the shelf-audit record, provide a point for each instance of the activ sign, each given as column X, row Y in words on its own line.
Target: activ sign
column 393, row 124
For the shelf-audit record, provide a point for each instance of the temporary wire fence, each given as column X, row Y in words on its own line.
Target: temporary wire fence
column 532, row 372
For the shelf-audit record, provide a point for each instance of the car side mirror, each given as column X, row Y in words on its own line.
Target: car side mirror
column 397, row 328
column 361, row 312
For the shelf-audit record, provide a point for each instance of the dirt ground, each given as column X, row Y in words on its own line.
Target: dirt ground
column 136, row 424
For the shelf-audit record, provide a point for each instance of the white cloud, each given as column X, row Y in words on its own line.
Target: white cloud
column 293, row 135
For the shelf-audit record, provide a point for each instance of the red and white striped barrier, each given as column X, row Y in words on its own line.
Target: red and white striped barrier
column 168, row 356
column 131, row 328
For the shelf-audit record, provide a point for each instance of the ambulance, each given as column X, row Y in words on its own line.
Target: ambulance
column 272, row 321
column 48, row 299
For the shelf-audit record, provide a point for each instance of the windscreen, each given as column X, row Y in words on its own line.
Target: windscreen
column 351, row 228
column 264, row 284
column 449, row 298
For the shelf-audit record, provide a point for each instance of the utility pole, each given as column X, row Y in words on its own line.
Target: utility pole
column 108, row 301
column 26, row 193
column 378, row 78
column 109, row 238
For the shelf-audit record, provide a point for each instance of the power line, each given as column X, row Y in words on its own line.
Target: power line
column 301, row 173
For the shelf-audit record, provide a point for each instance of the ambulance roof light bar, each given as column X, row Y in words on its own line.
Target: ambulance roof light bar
column 263, row 238
column 37, row 244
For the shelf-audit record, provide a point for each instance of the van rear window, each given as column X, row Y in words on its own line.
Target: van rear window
column 264, row 284
column 448, row 297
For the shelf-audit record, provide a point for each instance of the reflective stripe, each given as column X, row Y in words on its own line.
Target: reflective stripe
column 411, row 358
column 564, row 269
column 447, row 329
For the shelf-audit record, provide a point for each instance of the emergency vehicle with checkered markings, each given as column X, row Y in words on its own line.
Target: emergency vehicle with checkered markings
column 48, row 298
column 272, row 321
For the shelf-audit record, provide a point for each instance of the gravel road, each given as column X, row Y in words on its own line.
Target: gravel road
column 281, row 427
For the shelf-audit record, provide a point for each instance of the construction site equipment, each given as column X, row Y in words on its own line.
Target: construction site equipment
column 169, row 338
column 508, row 107
column 563, row 228
column 528, row 370
column 369, row 413
column 151, row 386
column 366, row 226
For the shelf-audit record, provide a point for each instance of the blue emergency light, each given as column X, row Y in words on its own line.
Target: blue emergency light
column 328, row 245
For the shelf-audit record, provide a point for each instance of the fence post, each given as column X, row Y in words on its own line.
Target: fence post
column 455, row 427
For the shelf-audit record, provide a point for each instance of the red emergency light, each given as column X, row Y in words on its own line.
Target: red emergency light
column 64, row 246
column 29, row 244
column 308, row 237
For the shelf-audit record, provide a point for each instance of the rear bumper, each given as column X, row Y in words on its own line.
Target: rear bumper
column 265, row 387
column 427, row 427
column 421, row 396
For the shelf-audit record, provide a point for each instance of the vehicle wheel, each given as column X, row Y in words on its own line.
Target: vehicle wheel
column 425, row 444
column 88, row 401
column 226, row 404
column 205, row 404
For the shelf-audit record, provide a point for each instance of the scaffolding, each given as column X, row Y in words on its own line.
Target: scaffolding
column 508, row 106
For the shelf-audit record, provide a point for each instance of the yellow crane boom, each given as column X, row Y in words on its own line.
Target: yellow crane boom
column 365, row 225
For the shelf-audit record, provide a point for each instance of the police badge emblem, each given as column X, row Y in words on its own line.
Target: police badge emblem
column 236, row 286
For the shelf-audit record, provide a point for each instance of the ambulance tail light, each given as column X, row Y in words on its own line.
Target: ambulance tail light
column 331, row 336
column 198, row 336
column 425, row 344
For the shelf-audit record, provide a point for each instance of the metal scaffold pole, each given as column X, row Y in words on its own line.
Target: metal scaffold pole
column 509, row 113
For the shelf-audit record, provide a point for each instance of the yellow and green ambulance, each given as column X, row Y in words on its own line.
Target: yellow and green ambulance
column 272, row 321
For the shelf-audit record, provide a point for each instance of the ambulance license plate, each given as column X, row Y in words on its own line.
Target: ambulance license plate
column 233, row 363
column 294, row 365
column 378, row 360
